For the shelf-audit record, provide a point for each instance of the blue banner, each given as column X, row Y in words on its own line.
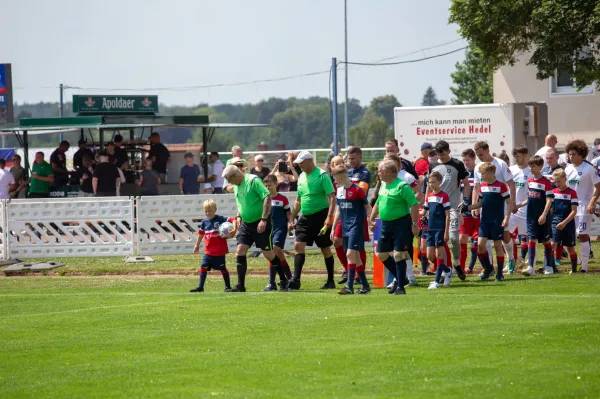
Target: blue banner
column 3, row 86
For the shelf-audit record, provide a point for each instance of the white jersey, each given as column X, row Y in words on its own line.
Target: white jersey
column 563, row 158
column 582, row 179
column 407, row 177
column 503, row 173
column 520, row 177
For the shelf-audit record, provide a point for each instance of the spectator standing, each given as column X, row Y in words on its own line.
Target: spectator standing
column 42, row 177
column 160, row 156
column 215, row 176
column 18, row 173
column 85, row 174
column 422, row 164
column 189, row 176
column 550, row 141
column 106, row 177
column 285, row 172
column 81, row 153
column 7, row 181
column 238, row 155
column 295, row 172
column 149, row 179
column 121, row 157
column 259, row 169
column 58, row 160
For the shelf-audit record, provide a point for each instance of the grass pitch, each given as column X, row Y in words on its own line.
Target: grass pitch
column 149, row 337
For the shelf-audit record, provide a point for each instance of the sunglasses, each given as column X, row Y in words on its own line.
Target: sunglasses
column 260, row 160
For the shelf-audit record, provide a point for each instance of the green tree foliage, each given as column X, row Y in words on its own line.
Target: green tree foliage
column 384, row 106
column 373, row 131
column 555, row 34
column 472, row 80
column 430, row 98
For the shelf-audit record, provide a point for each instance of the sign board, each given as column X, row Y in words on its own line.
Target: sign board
column 6, row 96
column 94, row 104
column 460, row 125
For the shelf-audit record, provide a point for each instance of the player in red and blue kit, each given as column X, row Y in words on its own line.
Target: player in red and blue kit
column 437, row 205
column 351, row 210
column 494, row 220
column 281, row 215
column 539, row 203
column 564, row 233
column 359, row 175
column 215, row 246
column 470, row 226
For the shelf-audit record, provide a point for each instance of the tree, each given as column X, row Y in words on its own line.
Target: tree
column 555, row 34
column 430, row 98
column 373, row 131
column 472, row 80
column 384, row 106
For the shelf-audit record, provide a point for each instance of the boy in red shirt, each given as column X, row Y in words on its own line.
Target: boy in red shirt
column 215, row 246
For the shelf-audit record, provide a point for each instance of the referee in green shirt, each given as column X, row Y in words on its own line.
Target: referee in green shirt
column 253, row 223
column 398, row 210
column 316, row 200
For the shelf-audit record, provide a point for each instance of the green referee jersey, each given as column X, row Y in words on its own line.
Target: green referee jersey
column 250, row 195
column 395, row 200
column 313, row 189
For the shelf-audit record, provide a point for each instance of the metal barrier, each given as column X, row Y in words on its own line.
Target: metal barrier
column 75, row 227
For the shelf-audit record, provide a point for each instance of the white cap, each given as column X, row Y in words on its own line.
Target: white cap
column 303, row 156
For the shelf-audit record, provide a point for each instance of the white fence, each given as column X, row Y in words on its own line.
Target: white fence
column 88, row 227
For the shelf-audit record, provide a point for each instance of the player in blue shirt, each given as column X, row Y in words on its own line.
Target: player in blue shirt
column 350, row 213
column 492, row 197
column 359, row 175
column 563, row 220
column 281, row 215
column 539, row 203
column 437, row 205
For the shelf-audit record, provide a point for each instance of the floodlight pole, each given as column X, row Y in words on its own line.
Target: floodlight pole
column 61, row 88
column 336, row 150
column 346, row 73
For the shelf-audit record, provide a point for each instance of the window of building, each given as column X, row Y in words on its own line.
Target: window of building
column 564, row 83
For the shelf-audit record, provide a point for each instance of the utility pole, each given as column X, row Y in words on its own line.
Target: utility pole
column 60, row 136
column 336, row 149
column 346, row 73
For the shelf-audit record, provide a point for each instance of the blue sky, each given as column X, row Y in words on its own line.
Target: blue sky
column 110, row 44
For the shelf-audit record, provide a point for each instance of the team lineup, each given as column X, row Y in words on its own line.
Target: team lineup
column 449, row 205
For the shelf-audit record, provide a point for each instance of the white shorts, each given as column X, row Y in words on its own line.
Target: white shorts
column 517, row 223
column 583, row 223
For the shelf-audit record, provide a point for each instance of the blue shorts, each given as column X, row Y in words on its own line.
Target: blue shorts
column 566, row 237
column 435, row 239
column 355, row 241
column 396, row 235
column 491, row 230
column 279, row 235
column 423, row 233
column 213, row 262
column 538, row 232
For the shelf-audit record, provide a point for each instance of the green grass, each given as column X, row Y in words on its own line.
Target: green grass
column 148, row 337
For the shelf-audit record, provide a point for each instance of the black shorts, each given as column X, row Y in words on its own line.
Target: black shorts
column 309, row 226
column 566, row 237
column 396, row 235
column 248, row 235
column 539, row 232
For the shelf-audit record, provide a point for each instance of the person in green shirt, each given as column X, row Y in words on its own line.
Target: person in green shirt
column 253, row 223
column 398, row 209
column 42, row 177
column 316, row 200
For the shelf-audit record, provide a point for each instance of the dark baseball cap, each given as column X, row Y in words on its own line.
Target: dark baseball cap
column 426, row 146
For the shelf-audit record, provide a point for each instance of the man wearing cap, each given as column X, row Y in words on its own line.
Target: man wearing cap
column 81, row 153
column 316, row 200
column 422, row 164
column 253, row 223
column 189, row 176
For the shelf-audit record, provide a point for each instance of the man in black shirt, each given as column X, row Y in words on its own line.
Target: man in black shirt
column 106, row 177
column 58, row 160
column 160, row 156
column 121, row 157
column 81, row 153
column 85, row 174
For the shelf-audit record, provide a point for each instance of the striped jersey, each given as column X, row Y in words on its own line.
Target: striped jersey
column 539, row 190
column 361, row 177
column 563, row 201
column 493, row 197
column 437, row 205
column 280, row 207
column 214, row 244
column 351, row 203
